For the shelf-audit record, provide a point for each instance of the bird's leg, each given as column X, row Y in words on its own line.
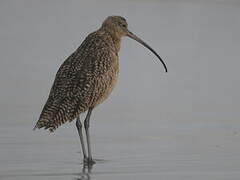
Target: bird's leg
column 79, row 128
column 86, row 125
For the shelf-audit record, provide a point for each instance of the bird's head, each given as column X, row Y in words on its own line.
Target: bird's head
column 118, row 26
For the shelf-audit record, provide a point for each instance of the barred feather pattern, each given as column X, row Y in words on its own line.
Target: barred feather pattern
column 84, row 80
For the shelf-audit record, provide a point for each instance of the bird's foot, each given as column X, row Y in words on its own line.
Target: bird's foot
column 91, row 161
column 88, row 161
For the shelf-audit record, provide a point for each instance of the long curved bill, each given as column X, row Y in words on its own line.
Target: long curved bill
column 133, row 36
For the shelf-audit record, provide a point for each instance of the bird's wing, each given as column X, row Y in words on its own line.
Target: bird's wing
column 72, row 87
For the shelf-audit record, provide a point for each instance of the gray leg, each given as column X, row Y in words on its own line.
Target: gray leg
column 86, row 125
column 79, row 128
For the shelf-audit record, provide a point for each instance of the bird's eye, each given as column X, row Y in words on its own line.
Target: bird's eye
column 124, row 25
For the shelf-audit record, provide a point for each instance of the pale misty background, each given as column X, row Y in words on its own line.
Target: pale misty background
column 183, row 124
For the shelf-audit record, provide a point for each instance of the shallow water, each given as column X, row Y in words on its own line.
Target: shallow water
column 180, row 125
column 123, row 149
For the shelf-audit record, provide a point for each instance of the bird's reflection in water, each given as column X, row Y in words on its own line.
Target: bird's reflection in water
column 85, row 174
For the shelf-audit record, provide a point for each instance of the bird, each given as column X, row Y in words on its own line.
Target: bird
column 86, row 78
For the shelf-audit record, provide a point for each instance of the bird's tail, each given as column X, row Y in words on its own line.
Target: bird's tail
column 56, row 113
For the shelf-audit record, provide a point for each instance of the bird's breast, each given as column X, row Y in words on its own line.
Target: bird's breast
column 104, row 84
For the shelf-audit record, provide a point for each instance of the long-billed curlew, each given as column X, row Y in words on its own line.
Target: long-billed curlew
column 86, row 78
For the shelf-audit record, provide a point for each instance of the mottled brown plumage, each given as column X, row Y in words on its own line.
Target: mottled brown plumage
column 84, row 80
column 87, row 76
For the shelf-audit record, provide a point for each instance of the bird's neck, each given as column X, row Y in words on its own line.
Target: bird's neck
column 115, row 37
column 116, row 42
